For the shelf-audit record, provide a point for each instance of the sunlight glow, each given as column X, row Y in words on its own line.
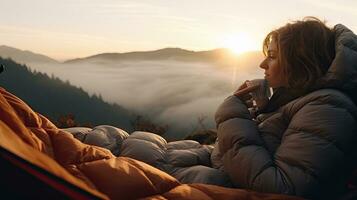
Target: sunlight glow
column 239, row 43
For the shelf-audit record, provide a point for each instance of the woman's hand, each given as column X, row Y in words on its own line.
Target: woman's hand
column 243, row 93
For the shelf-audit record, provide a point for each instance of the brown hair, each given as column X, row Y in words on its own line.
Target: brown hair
column 305, row 51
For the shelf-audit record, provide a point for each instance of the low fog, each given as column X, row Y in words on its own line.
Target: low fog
column 167, row 92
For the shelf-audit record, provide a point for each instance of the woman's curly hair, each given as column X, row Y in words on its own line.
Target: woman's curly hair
column 306, row 49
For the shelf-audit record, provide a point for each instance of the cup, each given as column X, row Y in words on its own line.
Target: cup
column 261, row 95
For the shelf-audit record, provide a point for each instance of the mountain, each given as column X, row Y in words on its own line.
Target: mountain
column 220, row 56
column 54, row 98
column 24, row 57
column 177, row 54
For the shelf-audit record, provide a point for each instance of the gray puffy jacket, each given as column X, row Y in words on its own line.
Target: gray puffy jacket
column 186, row 160
column 305, row 148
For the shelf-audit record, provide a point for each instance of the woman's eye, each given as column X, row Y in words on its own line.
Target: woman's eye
column 271, row 57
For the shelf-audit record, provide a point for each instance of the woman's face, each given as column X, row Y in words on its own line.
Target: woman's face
column 273, row 71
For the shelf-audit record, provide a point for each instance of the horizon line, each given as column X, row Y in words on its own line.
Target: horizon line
column 135, row 51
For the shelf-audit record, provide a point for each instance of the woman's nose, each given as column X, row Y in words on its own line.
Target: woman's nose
column 263, row 65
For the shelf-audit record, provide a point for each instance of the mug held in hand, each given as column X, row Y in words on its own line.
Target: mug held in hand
column 261, row 95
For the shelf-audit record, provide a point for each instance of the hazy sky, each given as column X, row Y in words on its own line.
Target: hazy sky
column 65, row 29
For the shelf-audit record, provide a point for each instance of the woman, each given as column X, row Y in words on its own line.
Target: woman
column 304, row 140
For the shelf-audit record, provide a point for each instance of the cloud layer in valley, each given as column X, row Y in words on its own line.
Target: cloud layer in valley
column 168, row 92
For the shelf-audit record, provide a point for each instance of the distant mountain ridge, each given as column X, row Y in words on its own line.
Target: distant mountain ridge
column 24, row 56
column 220, row 55
column 177, row 54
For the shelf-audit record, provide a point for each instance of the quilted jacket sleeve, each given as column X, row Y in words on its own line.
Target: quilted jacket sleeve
column 315, row 148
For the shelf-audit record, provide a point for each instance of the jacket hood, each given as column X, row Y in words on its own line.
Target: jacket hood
column 342, row 73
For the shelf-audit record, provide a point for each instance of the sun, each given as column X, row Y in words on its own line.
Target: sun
column 239, row 43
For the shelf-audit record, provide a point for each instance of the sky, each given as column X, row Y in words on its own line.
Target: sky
column 65, row 29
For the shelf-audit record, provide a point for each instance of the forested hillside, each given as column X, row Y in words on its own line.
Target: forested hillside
column 57, row 99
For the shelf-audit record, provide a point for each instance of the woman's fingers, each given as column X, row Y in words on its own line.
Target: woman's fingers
column 244, row 85
column 245, row 90
column 243, row 93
